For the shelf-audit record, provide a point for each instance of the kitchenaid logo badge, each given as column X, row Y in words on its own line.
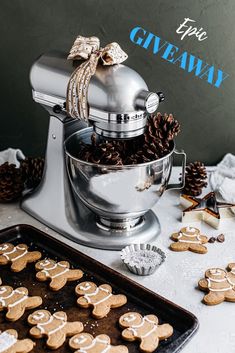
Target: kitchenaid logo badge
column 174, row 55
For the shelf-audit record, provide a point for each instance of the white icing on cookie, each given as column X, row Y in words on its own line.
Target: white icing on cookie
column 55, row 266
column 13, row 251
column 58, row 317
column 143, row 320
column 94, row 342
column 216, row 272
column 18, row 301
column 42, row 328
column 20, row 247
column 80, row 340
column 6, row 341
column 98, row 289
column 3, row 290
column 4, row 247
column 86, row 287
column 57, row 328
column 16, row 291
column 210, row 282
column 190, row 229
column 149, row 333
column 38, row 316
column 196, row 240
column 129, row 318
column 45, row 262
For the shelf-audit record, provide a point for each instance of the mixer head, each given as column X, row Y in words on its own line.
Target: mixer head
column 118, row 97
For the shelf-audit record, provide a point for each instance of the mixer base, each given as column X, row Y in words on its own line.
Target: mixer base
column 87, row 232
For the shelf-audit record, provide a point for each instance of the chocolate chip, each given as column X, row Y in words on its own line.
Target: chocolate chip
column 212, row 240
column 221, row 238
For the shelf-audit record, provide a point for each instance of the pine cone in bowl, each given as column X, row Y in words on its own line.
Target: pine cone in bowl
column 161, row 129
column 152, row 145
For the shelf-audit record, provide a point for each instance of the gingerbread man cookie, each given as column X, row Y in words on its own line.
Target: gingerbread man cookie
column 189, row 238
column 18, row 256
column 86, row 343
column 16, row 301
column 9, row 343
column 144, row 329
column 58, row 272
column 220, row 286
column 54, row 326
column 100, row 298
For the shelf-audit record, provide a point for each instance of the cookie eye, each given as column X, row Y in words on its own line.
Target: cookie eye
column 45, row 262
column 216, row 272
column 3, row 290
column 38, row 316
column 190, row 229
column 4, row 247
column 129, row 318
column 86, row 286
column 20, row 247
column 80, row 340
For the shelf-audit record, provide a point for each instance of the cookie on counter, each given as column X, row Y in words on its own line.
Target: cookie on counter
column 86, row 343
column 18, row 256
column 16, row 301
column 220, row 286
column 145, row 329
column 58, row 272
column 9, row 343
column 189, row 238
column 54, row 326
column 100, row 298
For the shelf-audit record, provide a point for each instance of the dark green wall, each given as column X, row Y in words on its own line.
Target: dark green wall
column 31, row 27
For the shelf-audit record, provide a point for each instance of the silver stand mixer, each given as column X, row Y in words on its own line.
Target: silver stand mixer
column 102, row 206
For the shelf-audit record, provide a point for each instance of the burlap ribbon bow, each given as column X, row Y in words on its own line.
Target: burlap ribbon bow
column 88, row 49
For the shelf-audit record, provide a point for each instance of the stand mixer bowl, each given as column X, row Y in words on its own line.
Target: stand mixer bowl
column 119, row 195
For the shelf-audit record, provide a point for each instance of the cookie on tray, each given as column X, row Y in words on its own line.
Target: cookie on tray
column 59, row 273
column 100, row 298
column 145, row 329
column 18, row 256
column 220, row 286
column 54, row 326
column 189, row 238
column 86, row 343
column 9, row 343
column 16, row 301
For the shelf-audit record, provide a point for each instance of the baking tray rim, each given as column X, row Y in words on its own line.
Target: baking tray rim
column 179, row 342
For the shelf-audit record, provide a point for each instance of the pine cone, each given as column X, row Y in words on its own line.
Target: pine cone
column 195, row 179
column 161, row 129
column 32, row 170
column 100, row 153
column 11, row 182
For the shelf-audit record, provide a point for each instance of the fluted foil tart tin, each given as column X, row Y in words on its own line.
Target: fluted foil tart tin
column 142, row 259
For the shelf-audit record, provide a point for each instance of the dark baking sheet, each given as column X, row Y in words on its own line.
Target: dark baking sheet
column 139, row 298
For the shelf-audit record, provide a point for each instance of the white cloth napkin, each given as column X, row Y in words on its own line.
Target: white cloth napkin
column 222, row 179
column 12, row 156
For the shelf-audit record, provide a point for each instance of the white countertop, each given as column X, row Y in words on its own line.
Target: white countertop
column 177, row 278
